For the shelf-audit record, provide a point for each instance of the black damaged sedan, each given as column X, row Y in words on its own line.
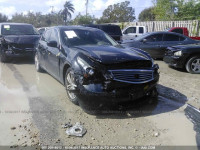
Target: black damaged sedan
column 17, row 40
column 94, row 68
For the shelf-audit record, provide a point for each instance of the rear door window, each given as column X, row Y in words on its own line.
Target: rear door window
column 155, row 38
column 171, row 37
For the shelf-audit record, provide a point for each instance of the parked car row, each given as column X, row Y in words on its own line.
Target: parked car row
column 156, row 43
column 93, row 67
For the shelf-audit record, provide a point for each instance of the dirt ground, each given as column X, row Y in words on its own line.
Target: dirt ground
column 34, row 107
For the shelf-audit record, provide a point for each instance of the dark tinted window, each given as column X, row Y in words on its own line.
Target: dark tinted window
column 154, row 38
column 111, row 30
column 180, row 31
column 18, row 30
column 171, row 37
column 141, row 30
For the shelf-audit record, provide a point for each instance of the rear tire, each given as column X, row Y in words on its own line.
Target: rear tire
column 70, row 82
column 193, row 65
column 37, row 64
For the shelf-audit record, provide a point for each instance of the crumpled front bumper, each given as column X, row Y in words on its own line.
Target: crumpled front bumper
column 177, row 62
column 94, row 94
column 20, row 53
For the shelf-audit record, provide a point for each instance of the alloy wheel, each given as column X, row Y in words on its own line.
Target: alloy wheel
column 70, row 84
column 195, row 66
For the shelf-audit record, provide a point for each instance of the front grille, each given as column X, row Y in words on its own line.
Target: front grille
column 138, row 64
column 22, row 46
column 132, row 75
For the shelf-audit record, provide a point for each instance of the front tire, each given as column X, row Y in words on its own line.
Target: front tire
column 70, row 85
column 37, row 64
column 193, row 65
column 3, row 57
column 154, row 96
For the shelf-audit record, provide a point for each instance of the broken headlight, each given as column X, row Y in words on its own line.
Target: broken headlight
column 88, row 70
column 178, row 53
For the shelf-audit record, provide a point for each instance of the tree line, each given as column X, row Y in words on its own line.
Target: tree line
column 162, row 10
column 171, row 10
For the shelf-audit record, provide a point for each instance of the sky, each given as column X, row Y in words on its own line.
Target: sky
column 95, row 7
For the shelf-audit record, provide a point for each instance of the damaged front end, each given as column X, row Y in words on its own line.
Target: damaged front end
column 120, row 82
column 18, row 46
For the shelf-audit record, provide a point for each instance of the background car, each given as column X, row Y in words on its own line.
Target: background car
column 41, row 30
column 156, row 43
column 113, row 30
column 131, row 32
column 17, row 40
column 186, row 56
column 94, row 68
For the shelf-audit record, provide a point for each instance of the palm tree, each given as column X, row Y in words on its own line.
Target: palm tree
column 68, row 9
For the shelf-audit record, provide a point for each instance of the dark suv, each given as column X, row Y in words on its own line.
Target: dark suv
column 17, row 40
column 113, row 30
column 94, row 68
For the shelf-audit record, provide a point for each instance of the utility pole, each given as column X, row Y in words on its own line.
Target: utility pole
column 52, row 8
column 86, row 4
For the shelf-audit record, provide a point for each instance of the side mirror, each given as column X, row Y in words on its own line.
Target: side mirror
column 144, row 40
column 52, row 44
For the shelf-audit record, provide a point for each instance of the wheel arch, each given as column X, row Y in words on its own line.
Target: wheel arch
column 66, row 66
column 190, row 56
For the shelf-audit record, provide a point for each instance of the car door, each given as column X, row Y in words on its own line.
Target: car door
column 52, row 63
column 129, row 33
column 153, row 44
column 42, row 48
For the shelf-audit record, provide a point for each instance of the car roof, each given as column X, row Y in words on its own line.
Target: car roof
column 12, row 23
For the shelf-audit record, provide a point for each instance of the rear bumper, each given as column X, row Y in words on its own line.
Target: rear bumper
column 177, row 62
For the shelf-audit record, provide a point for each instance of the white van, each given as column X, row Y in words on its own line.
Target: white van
column 131, row 32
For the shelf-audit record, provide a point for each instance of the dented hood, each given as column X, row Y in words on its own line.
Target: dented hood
column 111, row 54
column 21, row 39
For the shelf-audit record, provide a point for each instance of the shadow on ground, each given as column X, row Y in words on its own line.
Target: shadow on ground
column 193, row 114
column 167, row 101
column 21, row 61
